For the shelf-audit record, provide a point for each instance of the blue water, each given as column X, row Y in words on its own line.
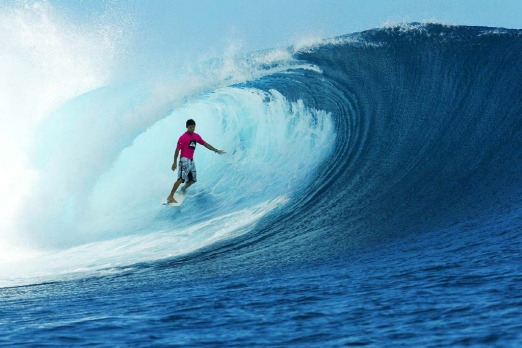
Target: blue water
column 371, row 195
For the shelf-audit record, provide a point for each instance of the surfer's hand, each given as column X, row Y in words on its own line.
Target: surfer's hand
column 174, row 166
column 220, row 152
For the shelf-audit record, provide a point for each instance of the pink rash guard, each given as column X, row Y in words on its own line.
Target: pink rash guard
column 187, row 144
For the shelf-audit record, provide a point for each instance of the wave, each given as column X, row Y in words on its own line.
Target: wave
column 429, row 124
column 331, row 146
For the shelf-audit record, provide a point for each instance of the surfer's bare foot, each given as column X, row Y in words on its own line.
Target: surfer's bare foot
column 171, row 200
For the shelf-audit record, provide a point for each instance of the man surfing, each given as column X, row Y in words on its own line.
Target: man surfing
column 187, row 168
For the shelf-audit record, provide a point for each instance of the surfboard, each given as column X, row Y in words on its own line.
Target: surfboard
column 178, row 197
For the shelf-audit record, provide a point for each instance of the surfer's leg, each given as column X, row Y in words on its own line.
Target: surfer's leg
column 191, row 178
column 170, row 198
column 186, row 186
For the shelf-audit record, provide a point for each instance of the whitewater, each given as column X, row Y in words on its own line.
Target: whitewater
column 370, row 194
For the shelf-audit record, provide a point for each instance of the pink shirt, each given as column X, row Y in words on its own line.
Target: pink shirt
column 187, row 144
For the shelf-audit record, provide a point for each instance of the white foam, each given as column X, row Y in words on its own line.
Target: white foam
column 44, row 60
column 111, row 257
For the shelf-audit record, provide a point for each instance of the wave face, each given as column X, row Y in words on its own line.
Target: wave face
column 330, row 148
column 429, row 127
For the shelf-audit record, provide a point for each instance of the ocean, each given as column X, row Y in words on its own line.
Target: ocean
column 371, row 195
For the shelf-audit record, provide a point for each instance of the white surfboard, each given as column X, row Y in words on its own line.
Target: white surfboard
column 179, row 198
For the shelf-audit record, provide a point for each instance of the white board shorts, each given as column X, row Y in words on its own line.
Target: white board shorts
column 187, row 170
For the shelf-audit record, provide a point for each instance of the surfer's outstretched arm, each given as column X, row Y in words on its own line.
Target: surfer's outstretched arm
column 212, row 148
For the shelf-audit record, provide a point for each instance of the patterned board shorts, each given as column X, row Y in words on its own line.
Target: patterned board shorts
column 187, row 170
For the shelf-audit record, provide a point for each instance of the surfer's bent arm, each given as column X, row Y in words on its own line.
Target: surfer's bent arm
column 175, row 165
column 212, row 148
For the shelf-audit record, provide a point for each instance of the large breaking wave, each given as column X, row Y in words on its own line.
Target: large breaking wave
column 330, row 147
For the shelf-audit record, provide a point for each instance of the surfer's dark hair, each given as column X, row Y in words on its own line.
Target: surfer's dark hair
column 190, row 122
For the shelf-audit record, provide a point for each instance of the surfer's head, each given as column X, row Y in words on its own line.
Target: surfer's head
column 191, row 125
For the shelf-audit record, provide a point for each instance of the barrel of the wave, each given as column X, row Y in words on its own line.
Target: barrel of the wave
column 430, row 124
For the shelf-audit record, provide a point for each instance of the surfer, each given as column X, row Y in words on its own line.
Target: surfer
column 187, row 169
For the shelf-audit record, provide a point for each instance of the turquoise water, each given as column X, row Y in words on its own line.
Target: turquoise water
column 370, row 196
